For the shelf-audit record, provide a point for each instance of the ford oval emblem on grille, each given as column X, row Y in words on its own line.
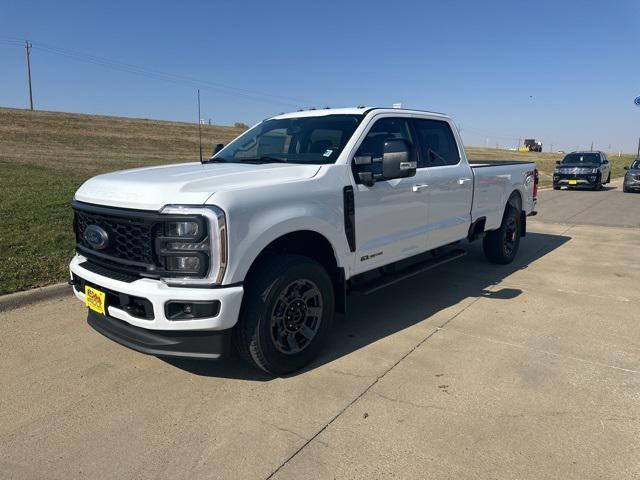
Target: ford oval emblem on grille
column 96, row 236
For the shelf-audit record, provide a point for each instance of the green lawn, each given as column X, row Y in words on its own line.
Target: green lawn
column 45, row 156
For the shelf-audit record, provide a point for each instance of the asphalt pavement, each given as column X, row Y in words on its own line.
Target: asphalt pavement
column 473, row 370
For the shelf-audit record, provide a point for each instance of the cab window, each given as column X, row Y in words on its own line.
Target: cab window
column 382, row 130
column 437, row 144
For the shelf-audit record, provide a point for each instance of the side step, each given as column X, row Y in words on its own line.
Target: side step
column 392, row 278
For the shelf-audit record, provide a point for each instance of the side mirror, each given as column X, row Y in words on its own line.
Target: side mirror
column 626, row 167
column 218, row 147
column 398, row 159
column 558, row 162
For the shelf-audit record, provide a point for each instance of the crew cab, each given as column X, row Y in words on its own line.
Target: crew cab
column 261, row 244
column 590, row 169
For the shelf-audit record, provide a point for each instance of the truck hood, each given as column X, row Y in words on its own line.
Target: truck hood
column 151, row 188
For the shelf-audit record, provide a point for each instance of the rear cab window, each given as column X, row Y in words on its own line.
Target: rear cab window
column 436, row 143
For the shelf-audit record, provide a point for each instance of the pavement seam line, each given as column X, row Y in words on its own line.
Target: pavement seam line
column 366, row 390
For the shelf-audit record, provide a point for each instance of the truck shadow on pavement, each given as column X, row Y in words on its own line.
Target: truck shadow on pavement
column 393, row 309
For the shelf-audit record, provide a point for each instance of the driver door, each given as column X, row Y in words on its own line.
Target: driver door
column 391, row 215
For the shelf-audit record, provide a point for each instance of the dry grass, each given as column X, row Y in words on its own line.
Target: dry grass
column 45, row 156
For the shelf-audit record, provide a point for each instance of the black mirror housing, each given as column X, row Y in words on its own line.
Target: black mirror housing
column 626, row 167
column 558, row 162
column 218, row 147
column 398, row 159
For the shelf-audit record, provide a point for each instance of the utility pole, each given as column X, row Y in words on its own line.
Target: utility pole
column 591, row 150
column 638, row 155
column 519, row 140
column 28, row 47
column 199, row 127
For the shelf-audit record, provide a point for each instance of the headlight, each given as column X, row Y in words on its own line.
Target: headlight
column 594, row 170
column 183, row 264
column 182, row 229
column 193, row 250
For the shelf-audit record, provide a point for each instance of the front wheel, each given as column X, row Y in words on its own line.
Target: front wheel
column 286, row 314
column 501, row 245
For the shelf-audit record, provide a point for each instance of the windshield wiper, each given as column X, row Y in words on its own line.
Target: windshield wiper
column 264, row 159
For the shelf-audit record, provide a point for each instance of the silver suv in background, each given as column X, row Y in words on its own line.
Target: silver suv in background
column 582, row 169
column 632, row 177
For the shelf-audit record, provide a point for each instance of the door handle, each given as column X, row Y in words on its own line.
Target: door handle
column 419, row 187
column 462, row 181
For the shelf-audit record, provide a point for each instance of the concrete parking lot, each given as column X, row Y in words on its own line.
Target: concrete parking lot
column 473, row 370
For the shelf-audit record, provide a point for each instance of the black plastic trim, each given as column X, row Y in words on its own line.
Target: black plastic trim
column 205, row 344
column 349, row 216
column 391, row 278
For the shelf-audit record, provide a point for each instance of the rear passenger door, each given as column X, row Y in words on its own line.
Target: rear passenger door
column 449, row 180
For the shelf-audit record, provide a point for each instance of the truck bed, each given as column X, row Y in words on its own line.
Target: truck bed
column 495, row 163
column 493, row 183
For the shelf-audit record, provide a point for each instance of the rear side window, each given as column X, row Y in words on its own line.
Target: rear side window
column 437, row 143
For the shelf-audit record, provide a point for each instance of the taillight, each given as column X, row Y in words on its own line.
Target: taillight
column 536, row 178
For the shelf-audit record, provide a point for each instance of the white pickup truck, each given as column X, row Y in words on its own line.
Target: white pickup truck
column 261, row 244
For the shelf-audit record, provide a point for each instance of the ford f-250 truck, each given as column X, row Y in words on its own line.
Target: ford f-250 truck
column 260, row 245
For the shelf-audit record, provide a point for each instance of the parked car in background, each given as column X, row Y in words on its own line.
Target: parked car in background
column 632, row 177
column 582, row 169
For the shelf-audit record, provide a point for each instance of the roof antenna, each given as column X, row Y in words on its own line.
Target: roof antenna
column 199, row 127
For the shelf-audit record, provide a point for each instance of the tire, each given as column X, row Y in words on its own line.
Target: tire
column 501, row 245
column 625, row 189
column 556, row 187
column 277, row 331
column 608, row 178
column 599, row 185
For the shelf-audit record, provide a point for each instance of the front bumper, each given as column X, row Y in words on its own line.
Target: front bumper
column 157, row 293
column 163, row 343
column 631, row 184
column 580, row 179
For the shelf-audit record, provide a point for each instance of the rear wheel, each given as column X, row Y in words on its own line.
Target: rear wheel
column 556, row 187
column 501, row 245
column 286, row 314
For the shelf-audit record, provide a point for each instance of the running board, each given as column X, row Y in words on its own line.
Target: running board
column 409, row 272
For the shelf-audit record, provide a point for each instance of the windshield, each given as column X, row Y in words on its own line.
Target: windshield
column 317, row 140
column 581, row 158
column 635, row 165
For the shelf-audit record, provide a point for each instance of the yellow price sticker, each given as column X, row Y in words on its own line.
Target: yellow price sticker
column 94, row 299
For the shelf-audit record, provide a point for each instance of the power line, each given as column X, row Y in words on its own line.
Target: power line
column 164, row 76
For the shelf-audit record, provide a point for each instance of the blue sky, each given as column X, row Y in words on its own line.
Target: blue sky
column 565, row 72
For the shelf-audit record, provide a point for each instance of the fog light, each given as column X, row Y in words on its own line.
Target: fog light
column 183, row 264
column 185, row 310
column 182, row 229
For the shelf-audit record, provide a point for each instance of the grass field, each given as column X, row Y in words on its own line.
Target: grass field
column 45, row 156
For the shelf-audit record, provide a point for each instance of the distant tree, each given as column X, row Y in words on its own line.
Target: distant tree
column 241, row 125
